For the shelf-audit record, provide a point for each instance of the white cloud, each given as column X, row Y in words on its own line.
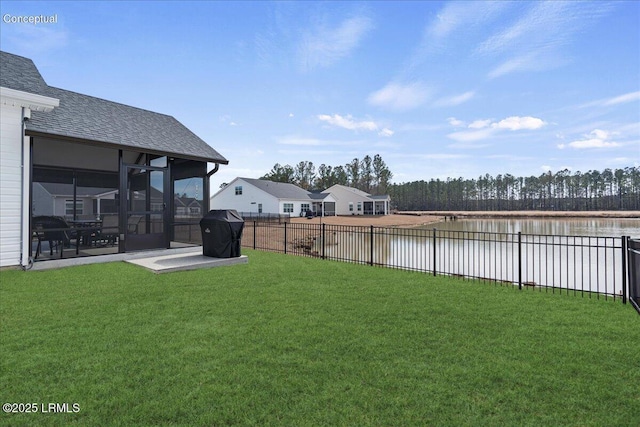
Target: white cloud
column 483, row 129
column 455, row 16
column 470, row 136
column 627, row 97
column 454, row 100
column 386, row 132
column 294, row 140
column 322, row 46
column 37, row 39
column 455, row 122
column 471, row 145
column 397, row 96
column 597, row 138
column 479, row 124
column 519, row 123
column 535, row 41
column 529, row 61
column 620, row 99
column 313, row 142
column 348, row 122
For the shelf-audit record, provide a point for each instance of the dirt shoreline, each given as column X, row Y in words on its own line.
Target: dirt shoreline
column 417, row 218
column 529, row 214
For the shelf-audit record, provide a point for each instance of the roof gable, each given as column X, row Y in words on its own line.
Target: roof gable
column 86, row 118
column 338, row 187
column 280, row 190
column 19, row 73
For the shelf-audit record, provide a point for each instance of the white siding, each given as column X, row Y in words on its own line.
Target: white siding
column 247, row 201
column 10, row 184
column 297, row 207
column 344, row 196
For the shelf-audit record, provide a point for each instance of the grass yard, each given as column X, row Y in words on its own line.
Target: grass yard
column 295, row 341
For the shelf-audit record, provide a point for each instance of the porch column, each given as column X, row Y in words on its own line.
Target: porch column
column 26, row 202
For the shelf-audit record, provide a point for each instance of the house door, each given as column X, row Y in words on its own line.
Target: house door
column 147, row 202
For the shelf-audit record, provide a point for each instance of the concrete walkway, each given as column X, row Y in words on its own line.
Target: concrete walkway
column 159, row 261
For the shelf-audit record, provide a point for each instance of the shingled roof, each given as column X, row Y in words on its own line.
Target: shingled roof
column 280, row 190
column 84, row 118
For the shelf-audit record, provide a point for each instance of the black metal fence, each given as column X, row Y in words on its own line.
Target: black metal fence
column 579, row 265
column 265, row 217
column 634, row 272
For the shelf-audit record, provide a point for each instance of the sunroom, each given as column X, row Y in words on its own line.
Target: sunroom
column 117, row 196
column 103, row 177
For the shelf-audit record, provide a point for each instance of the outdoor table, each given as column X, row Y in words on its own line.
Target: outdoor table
column 85, row 222
column 83, row 234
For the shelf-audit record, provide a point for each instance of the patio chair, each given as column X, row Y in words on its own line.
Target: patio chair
column 54, row 230
column 109, row 230
column 132, row 223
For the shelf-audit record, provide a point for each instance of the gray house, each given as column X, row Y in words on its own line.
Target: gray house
column 51, row 136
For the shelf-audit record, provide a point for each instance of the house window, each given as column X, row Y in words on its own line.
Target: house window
column 238, row 190
column 304, row 207
column 288, row 208
column 350, row 206
column 359, row 206
column 68, row 207
column 259, row 207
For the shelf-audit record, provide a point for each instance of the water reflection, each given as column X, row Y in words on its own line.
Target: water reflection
column 576, row 255
column 608, row 227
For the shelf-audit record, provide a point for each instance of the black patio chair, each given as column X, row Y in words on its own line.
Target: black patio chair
column 54, row 230
column 109, row 230
column 133, row 222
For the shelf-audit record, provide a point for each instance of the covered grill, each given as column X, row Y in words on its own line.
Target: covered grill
column 221, row 233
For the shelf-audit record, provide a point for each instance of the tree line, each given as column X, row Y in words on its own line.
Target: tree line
column 609, row 189
column 370, row 175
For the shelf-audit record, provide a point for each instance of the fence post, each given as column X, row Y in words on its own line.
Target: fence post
column 254, row 235
column 324, row 240
column 625, row 272
column 434, row 251
column 371, row 245
column 520, row 260
column 285, row 238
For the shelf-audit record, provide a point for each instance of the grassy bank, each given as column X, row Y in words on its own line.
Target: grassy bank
column 297, row 341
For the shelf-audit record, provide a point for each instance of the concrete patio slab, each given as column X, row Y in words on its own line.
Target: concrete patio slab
column 185, row 261
column 161, row 261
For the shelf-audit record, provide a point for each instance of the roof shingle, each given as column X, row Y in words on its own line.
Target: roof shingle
column 82, row 117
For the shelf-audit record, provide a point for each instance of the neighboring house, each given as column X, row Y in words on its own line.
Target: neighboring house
column 58, row 200
column 351, row 201
column 129, row 157
column 256, row 196
column 187, row 207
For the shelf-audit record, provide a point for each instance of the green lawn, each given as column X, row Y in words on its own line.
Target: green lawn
column 294, row 341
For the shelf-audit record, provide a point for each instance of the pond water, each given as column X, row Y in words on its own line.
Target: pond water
column 572, row 254
column 596, row 227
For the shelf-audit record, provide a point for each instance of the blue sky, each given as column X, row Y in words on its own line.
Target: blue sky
column 438, row 89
